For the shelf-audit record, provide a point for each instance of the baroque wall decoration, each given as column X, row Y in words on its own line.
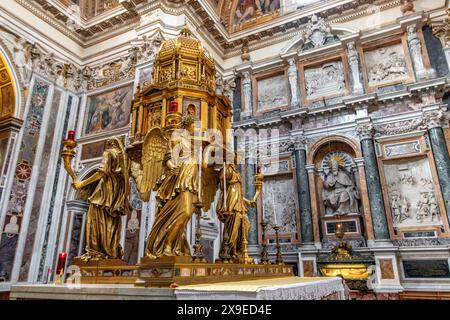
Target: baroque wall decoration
column 108, row 110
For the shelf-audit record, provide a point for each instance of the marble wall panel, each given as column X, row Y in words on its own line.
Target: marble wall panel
column 39, row 191
column 435, row 52
column 20, row 185
column 74, row 244
column 132, row 231
column 447, row 138
column 387, row 270
column 54, row 193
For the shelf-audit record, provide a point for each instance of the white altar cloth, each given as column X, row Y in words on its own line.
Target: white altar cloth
column 290, row 288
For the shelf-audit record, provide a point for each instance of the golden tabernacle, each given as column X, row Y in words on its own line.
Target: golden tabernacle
column 180, row 148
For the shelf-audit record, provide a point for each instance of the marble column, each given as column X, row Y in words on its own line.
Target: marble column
column 250, row 171
column 433, row 120
column 314, row 203
column 304, row 201
column 379, row 221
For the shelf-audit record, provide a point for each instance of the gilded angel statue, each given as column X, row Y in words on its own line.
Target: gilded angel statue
column 232, row 210
column 169, row 167
column 108, row 202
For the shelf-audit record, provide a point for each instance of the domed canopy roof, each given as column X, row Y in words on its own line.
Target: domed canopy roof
column 183, row 61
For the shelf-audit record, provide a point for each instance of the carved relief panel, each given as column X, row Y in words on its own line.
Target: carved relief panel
column 326, row 78
column 386, row 64
column 412, row 193
column 279, row 201
column 271, row 92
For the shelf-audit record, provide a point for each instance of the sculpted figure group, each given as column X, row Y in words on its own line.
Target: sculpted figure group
column 165, row 162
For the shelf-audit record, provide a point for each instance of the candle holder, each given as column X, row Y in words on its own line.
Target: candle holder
column 224, row 255
column 264, row 253
column 279, row 259
column 198, row 247
column 68, row 153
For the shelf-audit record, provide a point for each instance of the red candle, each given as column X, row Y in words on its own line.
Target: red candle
column 173, row 107
column 71, row 135
column 62, row 256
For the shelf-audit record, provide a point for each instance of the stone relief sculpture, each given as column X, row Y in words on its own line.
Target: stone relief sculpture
column 293, row 83
column 339, row 195
column 353, row 61
column 325, row 80
column 280, row 208
column 423, row 207
column 247, row 92
column 400, row 208
column 411, row 193
column 272, row 93
column 386, row 64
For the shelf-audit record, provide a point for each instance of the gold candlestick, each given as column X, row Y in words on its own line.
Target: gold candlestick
column 224, row 255
column 264, row 253
column 198, row 247
column 279, row 259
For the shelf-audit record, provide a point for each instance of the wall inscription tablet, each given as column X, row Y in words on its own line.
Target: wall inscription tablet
column 426, row 268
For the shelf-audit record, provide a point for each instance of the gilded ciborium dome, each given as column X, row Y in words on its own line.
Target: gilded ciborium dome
column 183, row 62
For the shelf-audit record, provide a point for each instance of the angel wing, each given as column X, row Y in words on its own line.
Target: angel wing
column 154, row 150
column 210, row 184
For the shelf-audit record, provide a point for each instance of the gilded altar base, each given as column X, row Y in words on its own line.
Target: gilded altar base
column 175, row 271
column 107, row 271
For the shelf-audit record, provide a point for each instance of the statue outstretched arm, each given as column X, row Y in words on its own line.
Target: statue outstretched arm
column 94, row 178
column 258, row 186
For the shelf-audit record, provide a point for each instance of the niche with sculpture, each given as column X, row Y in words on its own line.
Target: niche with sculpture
column 338, row 193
